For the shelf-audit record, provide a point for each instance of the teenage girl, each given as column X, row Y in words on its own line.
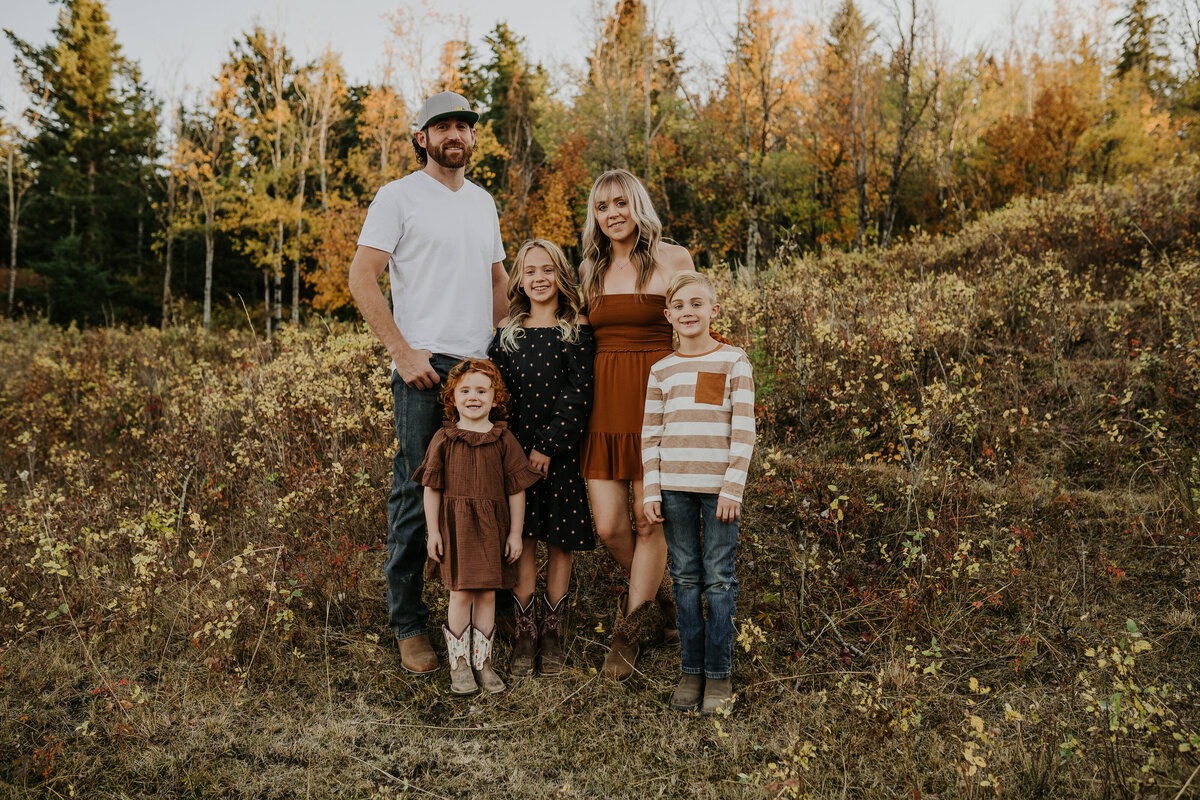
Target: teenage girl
column 475, row 475
column 544, row 352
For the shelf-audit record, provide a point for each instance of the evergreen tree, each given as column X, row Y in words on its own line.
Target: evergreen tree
column 1143, row 49
column 93, row 148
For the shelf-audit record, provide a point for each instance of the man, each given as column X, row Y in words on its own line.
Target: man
column 438, row 235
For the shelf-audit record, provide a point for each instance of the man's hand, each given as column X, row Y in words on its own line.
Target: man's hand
column 434, row 546
column 654, row 511
column 415, row 369
column 728, row 510
column 513, row 547
column 540, row 462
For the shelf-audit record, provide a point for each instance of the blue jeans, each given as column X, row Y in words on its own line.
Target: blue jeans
column 702, row 565
column 418, row 415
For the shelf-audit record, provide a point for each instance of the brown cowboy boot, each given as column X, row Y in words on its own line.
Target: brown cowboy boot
column 626, row 643
column 718, row 697
column 458, row 649
column 666, row 607
column 553, row 618
column 688, row 693
column 481, row 660
column 520, row 663
column 417, row 656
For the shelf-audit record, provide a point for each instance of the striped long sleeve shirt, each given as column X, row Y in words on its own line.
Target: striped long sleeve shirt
column 698, row 429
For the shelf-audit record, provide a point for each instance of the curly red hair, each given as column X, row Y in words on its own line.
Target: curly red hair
column 483, row 367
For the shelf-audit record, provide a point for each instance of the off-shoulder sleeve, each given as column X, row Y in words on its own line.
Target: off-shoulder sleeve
column 518, row 475
column 574, row 402
column 432, row 472
column 504, row 364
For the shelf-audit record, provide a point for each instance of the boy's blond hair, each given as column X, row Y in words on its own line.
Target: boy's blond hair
column 682, row 279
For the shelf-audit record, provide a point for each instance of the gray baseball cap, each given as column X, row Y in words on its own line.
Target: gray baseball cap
column 445, row 104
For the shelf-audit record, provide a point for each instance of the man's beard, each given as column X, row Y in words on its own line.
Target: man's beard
column 461, row 158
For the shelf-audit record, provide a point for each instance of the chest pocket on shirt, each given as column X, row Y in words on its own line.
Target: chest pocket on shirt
column 710, row 388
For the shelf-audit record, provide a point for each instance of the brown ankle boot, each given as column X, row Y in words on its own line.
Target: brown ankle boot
column 718, row 697
column 520, row 663
column 481, row 660
column 417, row 656
column 688, row 693
column 458, row 649
column 553, row 618
column 626, row 643
column 665, row 598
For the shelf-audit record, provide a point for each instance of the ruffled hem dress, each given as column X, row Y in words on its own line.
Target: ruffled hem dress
column 550, row 382
column 476, row 472
column 632, row 333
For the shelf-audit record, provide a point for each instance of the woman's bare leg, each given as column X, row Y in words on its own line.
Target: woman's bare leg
column 649, row 555
column 610, row 510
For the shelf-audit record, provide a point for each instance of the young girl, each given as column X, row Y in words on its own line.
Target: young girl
column 544, row 351
column 475, row 476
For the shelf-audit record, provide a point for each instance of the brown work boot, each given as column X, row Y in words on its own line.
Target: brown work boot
column 416, row 655
column 458, row 650
column 718, row 697
column 553, row 618
column 520, row 662
column 666, row 606
column 481, row 661
column 626, row 643
column 688, row 693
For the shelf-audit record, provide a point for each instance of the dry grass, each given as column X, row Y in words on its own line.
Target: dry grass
column 969, row 564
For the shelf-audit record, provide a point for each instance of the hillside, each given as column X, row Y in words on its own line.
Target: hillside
column 970, row 562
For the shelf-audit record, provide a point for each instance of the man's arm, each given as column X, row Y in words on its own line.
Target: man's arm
column 365, row 269
column 499, row 293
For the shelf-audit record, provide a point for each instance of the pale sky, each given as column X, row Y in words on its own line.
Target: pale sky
column 180, row 45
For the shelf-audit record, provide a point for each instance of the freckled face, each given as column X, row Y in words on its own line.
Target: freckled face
column 474, row 396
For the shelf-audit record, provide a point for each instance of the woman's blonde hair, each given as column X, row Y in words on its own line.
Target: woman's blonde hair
column 681, row 279
column 597, row 247
column 519, row 305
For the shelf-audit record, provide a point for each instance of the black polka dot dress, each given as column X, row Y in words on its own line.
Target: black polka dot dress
column 550, row 382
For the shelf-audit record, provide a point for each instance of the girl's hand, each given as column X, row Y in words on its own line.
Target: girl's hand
column 434, row 546
column 513, row 547
column 653, row 511
column 539, row 461
column 728, row 510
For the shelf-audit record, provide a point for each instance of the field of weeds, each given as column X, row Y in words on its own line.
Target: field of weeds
column 970, row 562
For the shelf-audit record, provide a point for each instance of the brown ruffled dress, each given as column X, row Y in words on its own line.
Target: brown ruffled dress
column 476, row 472
column 631, row 335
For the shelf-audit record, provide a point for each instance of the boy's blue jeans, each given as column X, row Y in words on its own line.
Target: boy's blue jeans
column 702, row 566
column 418, row 415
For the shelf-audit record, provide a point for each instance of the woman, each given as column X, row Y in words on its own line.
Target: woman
column 624, row 275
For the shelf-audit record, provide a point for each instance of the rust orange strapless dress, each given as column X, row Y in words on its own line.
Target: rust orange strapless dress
column 631, row 334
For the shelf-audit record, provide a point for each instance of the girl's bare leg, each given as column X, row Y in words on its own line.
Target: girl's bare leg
column 558, row 574
column 484, row 611
column 526, row 572
column 458, row 616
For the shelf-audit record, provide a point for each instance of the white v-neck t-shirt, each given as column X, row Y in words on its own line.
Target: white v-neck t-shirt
column 442, row 244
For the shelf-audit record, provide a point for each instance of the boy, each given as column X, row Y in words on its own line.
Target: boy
column 697, row 438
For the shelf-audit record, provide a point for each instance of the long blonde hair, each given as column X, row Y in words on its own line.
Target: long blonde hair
column 519, row 306
column 597, row 247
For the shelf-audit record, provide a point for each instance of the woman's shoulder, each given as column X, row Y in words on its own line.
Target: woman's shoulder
column 674, row 258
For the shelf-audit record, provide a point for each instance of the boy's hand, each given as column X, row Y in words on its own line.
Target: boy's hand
column 728, row 510
column 539, row 461
column 654, row 511
column 513, row 547
column 434, row 546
